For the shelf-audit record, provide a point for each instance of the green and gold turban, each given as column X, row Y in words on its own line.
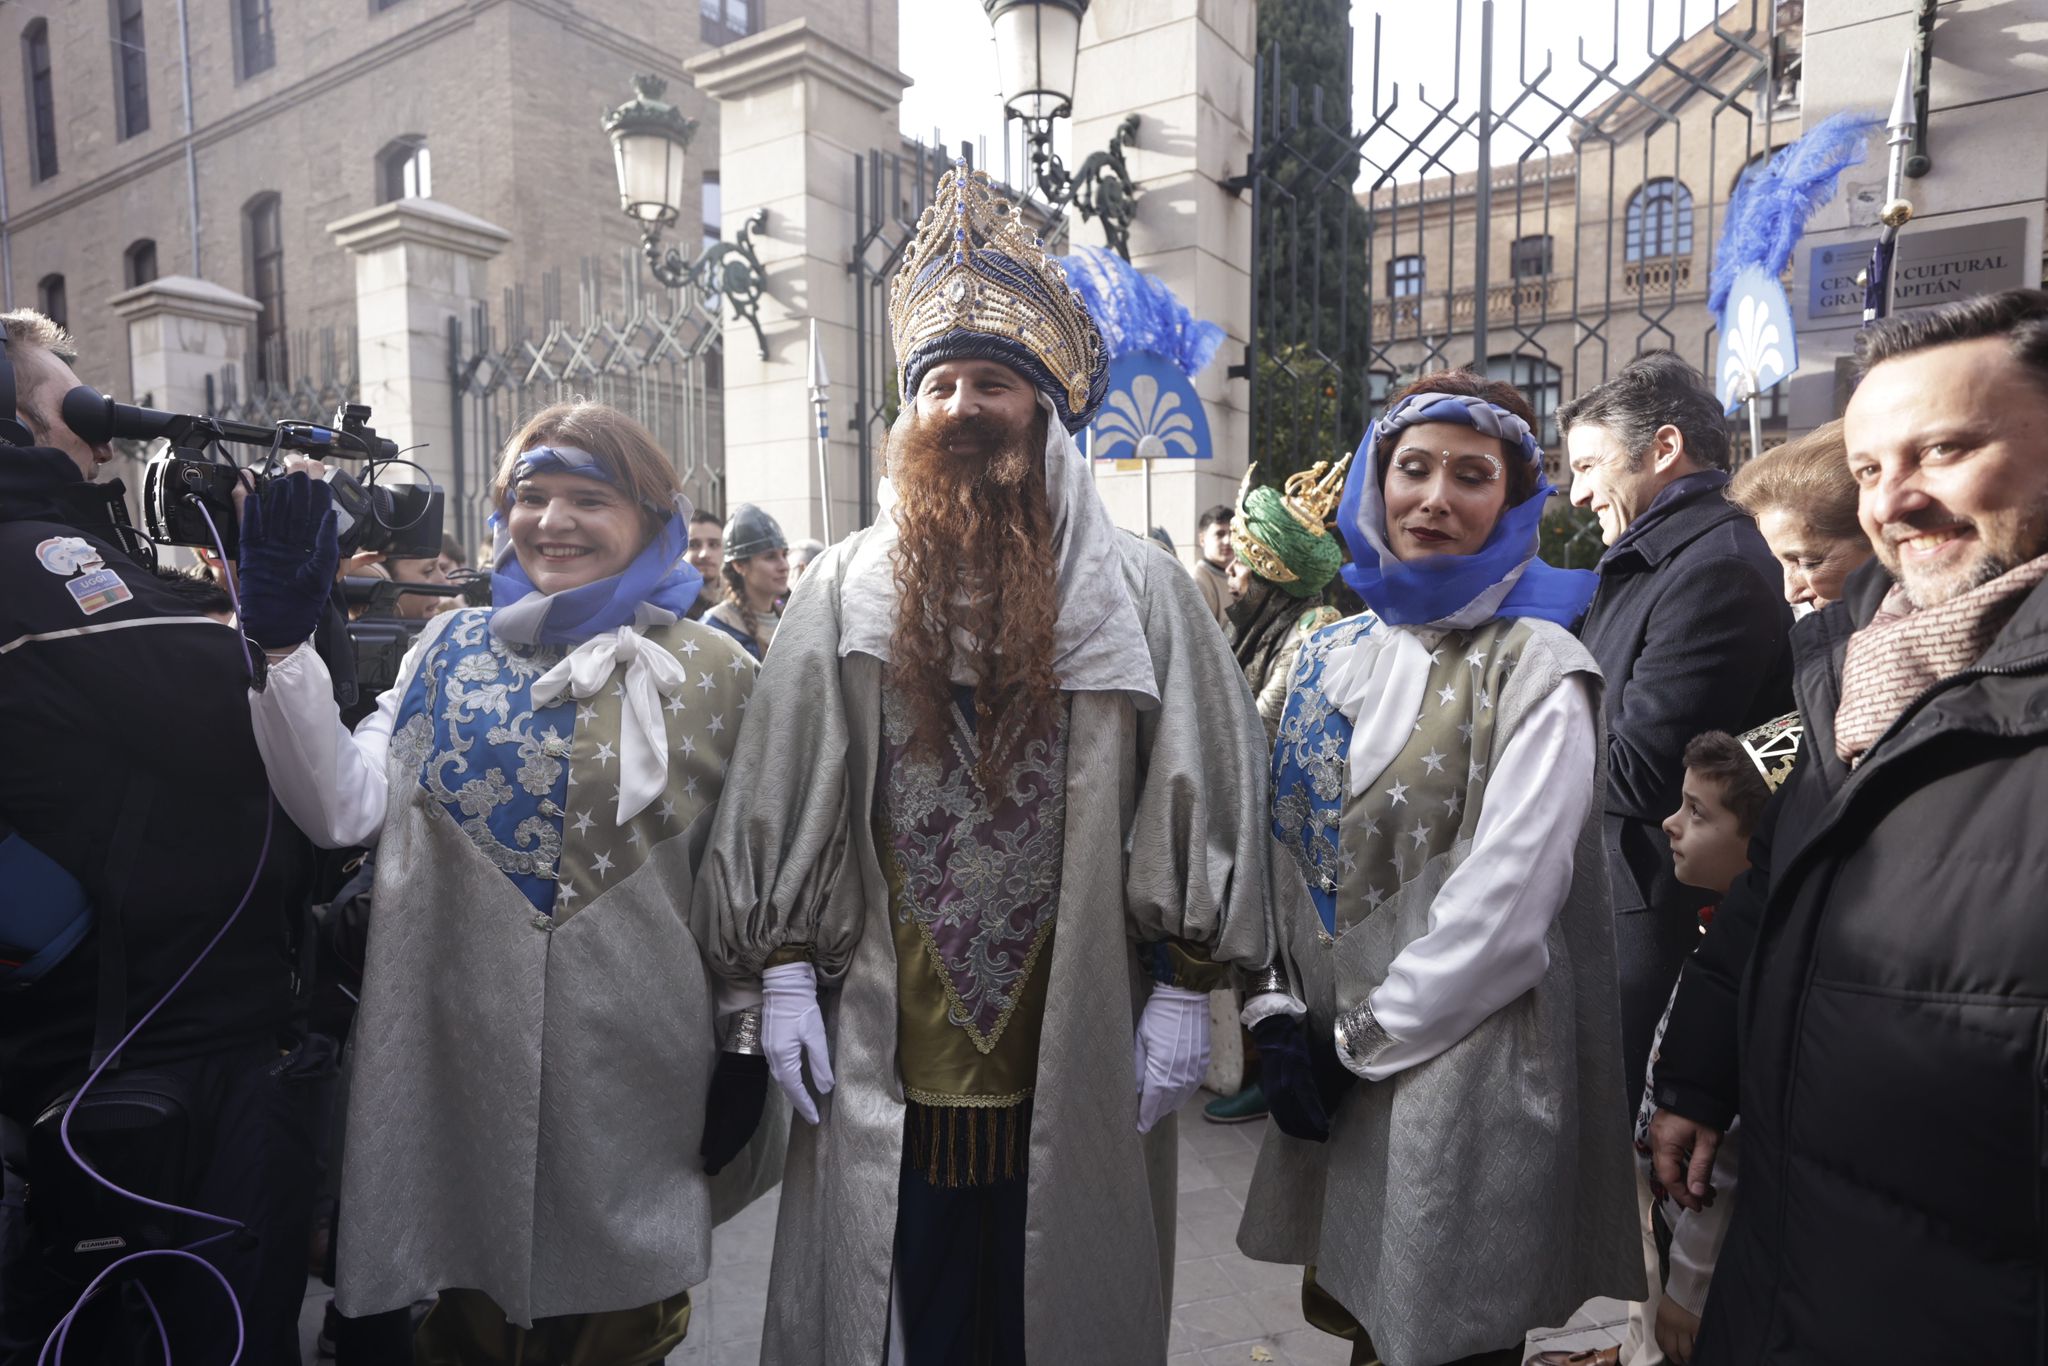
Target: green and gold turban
column 1282, row 536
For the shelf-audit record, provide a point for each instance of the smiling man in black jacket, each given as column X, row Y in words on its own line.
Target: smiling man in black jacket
column 1892, row 1023
column 1690, row 630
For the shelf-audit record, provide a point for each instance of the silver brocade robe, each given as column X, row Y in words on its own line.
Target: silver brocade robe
column 1166, row 836
column 527, row 1091
column 1490, row 1190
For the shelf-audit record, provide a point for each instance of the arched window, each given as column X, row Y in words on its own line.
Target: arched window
column 138, row 263
column 50, row 300
column 42, row 101
column 405, row 170
column 1540, row 382
column 263, row 233
column 1659, row 221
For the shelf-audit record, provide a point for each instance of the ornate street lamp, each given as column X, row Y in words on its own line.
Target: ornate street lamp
column 1038, row 43
column 649, row 140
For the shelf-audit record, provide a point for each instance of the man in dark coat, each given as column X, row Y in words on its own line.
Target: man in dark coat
column 1690, row 630
column 1894, row 1065
column 132, row 776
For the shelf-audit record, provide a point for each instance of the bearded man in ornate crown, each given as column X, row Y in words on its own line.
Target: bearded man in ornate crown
column 995, row 828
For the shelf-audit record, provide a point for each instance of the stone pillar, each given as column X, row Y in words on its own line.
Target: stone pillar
column 182, row 333
column 418, row 264
column 796, row 107
column 1185, row 68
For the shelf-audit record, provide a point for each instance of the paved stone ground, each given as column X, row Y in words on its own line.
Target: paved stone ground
column 1227, row 1308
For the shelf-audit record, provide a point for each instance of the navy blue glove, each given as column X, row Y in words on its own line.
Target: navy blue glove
column 288, row 556
column 1287, row 1075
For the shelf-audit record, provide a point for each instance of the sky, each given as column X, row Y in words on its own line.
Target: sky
column 947, row 49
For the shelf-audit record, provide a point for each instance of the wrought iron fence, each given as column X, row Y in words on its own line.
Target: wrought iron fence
column 1577, row 234
column 656, row 356
column 325, row 377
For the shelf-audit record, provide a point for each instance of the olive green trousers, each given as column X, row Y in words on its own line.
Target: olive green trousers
column 466, row 1328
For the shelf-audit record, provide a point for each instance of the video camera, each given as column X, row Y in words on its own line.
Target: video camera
column 379, row 636
column 395, row 519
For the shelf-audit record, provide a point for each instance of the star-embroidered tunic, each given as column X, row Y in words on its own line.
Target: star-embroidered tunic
column 1438, row 792
column 535, row 1040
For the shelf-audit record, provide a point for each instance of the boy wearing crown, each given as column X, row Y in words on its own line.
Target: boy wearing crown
column 999, row 833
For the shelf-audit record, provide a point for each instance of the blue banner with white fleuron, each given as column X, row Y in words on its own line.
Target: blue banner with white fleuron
column 1152, row 413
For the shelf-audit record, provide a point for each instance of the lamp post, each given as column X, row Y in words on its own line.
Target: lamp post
column 650, row 141
column 1038, row 43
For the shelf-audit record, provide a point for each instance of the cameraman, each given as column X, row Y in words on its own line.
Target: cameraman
column 131, row 766
column 420, row 569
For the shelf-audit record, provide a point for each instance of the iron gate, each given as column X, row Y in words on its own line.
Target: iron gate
column 322, row 376
column 656, row 357
column 1600, row 184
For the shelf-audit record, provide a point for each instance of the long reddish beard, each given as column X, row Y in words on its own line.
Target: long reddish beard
column 974, row 570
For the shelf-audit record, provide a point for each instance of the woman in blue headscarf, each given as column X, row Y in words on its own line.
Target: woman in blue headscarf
column 1437, row 779
column 534, row 1054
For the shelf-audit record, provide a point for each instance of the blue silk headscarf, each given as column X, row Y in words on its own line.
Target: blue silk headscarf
column 659, row 577
column 1456, row 592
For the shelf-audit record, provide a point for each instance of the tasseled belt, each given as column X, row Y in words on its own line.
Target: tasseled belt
column 967, row 1145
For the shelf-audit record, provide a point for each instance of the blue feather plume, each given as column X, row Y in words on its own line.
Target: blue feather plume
column 1136, row 312
column 1771, row 203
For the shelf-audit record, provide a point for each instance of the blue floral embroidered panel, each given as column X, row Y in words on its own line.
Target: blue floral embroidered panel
column 1308, row 767
column 498, row 767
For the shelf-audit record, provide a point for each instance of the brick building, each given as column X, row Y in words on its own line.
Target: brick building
column 219, row 139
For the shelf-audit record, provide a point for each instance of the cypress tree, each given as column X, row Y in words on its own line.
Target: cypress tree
column 1310, row 263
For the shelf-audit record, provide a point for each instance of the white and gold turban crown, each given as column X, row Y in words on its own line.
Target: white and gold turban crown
column 976, row 283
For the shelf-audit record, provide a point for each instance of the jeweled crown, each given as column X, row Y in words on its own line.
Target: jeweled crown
column 1313, row 493
column 977, row 283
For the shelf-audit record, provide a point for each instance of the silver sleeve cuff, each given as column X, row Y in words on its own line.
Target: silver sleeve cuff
column 744, row 1034
column 1267, row 980
column 1360, row 1039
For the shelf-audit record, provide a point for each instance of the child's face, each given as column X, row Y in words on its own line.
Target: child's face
column 1709, row 848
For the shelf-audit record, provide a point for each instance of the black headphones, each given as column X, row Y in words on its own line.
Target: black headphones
column 13, row 432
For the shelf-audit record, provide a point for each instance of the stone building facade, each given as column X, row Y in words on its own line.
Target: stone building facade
column 220, row 139
column 1596, row 251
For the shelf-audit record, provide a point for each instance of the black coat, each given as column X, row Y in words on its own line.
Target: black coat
column 127, row 727
column 1698, row 1072
column 1893, row 1028
column 1690, row 629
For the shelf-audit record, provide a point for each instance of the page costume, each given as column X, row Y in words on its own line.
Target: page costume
column 535, row 1040
column 1435, row 783
column 986, row 953
column 1280, row 536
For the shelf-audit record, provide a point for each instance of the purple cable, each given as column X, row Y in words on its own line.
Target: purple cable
column 63, row 1329
column 62, row 1332
column 149, row 1303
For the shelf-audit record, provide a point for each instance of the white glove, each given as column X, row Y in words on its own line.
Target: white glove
column 792, row 1029
column 1171, row 1053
